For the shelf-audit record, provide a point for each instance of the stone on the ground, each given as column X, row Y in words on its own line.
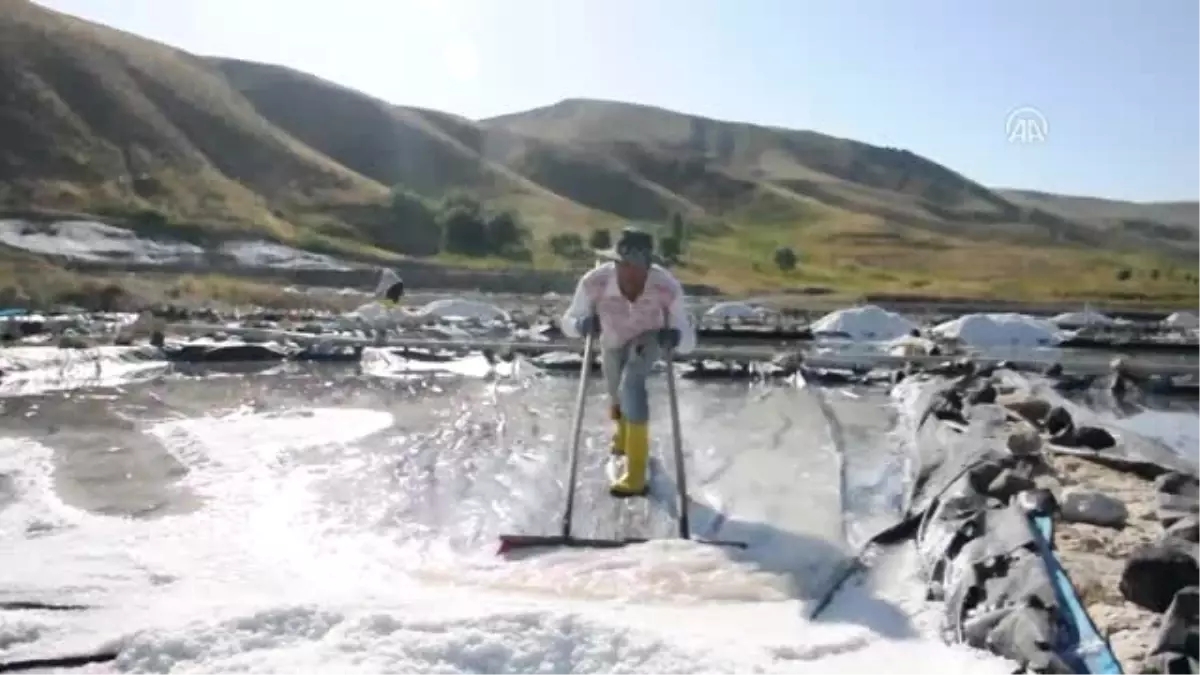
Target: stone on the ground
column 1175, row 483
column 1007, row 484
column 1095, row 508
column 1186, row 529
column 982, row 475
column 985, row 394
column 1155, row 572
column 1094, row 438
column 1058, row 422
column 1176, row 648
column 1033, row 410
column 1024, row 443
column 1176, row 497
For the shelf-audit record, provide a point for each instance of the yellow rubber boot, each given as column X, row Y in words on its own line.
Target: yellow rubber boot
column 637, row 450
column 618, row 437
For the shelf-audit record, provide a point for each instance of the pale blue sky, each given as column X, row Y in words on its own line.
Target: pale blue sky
column 1117, row 81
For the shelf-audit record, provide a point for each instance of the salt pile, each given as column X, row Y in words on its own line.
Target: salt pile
column 94, row 242
column 103, row 243
column 1087, row 317
column 271, row 254
column 451, row 309
column 994, row 330
column 1182, row 320
column 867, row 322
column 732, row 310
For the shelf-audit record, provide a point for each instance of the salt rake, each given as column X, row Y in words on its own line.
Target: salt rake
column 510, row 542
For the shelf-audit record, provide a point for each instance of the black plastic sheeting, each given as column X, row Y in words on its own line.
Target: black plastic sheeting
column 984, row 532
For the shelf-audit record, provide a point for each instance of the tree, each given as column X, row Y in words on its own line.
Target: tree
column 463, row 232
column 150, row 221
column 507, row 236
column 411, row 225
column 461, row 200
column 1124, row 274
column 568, row 245
column 111, row 298
column 1154, row 274
column 669, row 248
column 468, row 229
column 677, row 228
column 504, row 232
column 785, row 258
column 600, row 239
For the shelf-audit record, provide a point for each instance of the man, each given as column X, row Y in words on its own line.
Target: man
column 637, row 309
column 385, row 312
column 390, row 286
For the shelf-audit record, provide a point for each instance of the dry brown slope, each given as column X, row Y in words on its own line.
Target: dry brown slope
column 1178, row 213
column 892, row 184
column 753, row 151
column 96, row 117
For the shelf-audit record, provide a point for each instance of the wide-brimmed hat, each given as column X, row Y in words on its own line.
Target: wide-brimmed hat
column 634, row 245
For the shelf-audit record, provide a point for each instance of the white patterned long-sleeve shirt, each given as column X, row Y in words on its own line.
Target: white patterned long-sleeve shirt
column 660, row 305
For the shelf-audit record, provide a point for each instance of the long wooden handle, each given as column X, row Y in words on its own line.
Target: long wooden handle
column 677, row 439
column 568, row 511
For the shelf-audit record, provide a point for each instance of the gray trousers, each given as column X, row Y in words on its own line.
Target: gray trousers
column 625, row 371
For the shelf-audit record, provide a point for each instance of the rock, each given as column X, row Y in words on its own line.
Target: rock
column 1173, row 508
column 1025, row 635
column 1176, row 648
column 1186, row 528
column 1024, row 443
column 1033, row 410
column 985, row 394
column 948, row 406
column 1094, row 438
column 982, row 475
column 1095, row 508
column 1039, row 501
column 1006, row 485
column 1170, row 664
column 1058, row 422
column 1154, row 573
column 69, row 340
column 1175, row 483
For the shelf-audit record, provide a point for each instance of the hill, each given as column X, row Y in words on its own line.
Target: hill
column 171, row 144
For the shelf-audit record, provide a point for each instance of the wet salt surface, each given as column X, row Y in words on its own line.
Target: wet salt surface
column 322, row 519
column 319, row 519
column 271, row 521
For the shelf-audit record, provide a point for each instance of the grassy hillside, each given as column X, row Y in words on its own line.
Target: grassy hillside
column 105, row 122
column 1151, row 225
column 868, row 218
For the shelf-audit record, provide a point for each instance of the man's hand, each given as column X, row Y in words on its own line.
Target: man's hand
column 668, row 338
column 588, row 325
